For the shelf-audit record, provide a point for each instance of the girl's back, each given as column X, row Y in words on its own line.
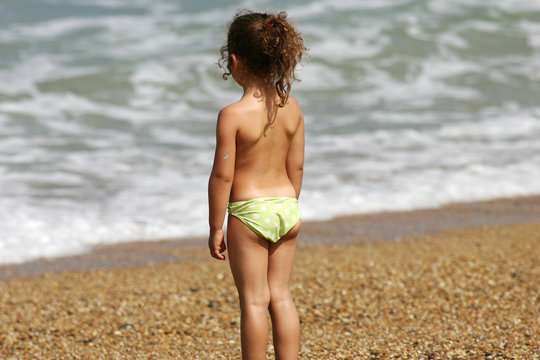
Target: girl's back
column 263, row 140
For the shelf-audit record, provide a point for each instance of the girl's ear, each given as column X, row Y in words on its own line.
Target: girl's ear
column 236, row 63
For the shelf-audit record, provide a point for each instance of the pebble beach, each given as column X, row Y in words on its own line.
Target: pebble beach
column 454, row 292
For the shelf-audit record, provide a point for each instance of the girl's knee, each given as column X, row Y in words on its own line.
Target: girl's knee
column 280, row 295
column 259, row 298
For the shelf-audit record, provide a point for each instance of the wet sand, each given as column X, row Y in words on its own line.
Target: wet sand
column 460, row 282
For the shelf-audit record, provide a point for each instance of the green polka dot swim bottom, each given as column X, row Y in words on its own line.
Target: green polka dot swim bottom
column 270, row 217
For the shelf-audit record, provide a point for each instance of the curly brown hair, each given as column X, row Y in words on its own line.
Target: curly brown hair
column 268, row 46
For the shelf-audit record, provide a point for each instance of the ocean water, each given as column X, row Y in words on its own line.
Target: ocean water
column 108, row 109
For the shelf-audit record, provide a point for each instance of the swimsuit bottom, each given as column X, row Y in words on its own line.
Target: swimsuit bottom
column 270, row 217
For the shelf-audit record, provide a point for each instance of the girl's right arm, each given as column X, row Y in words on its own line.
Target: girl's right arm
column 220, row 183
column 295, row 157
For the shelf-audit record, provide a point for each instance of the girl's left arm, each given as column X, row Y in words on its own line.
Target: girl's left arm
column 295, row 156
column 220, row 182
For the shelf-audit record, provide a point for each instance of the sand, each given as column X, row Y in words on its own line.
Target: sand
column 466, row 293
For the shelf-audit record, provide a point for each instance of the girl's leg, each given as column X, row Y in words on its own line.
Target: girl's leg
column 248, row 258
column 285, row 322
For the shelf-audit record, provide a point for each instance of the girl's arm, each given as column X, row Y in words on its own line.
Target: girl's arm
column 295, row 157
column 220, row 182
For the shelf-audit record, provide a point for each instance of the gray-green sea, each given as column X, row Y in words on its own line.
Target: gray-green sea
column 108, row 108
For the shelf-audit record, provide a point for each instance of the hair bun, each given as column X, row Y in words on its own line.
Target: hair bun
column 269, row 47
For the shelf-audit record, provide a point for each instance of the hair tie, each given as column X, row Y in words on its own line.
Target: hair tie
column 268, row 26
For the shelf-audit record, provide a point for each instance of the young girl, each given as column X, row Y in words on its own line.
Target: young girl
column 257, row 176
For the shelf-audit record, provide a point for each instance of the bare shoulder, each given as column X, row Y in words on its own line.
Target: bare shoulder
column 293, row 106
column 230, row 111
column 235, row 110
column 293, row 102
column 228, row 116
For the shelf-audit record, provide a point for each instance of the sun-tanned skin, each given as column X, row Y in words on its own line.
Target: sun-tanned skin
column 259, row 153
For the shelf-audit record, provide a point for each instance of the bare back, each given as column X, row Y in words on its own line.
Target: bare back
column 263, row 149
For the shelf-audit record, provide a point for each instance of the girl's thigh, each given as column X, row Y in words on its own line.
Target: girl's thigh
column 248, row 258
column 281, row 259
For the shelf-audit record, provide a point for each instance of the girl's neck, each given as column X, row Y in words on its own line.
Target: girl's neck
column 258, row 89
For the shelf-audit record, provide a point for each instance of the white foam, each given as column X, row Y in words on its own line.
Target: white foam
column 484, row 26
column 122, row 4
column 420, row 91
column 153, row 72
column 452, row 39
column 420, row 189
column 4, row 119
column 46, row 30
column 31, row 235
column 517, row 6
column 408, row 169
column 324, row 7
column 56, row 106
column 319, row 77
column 23, row 76
column 123, row 216
column 532, row 30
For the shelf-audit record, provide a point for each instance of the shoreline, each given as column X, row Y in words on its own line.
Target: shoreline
column 348, row 229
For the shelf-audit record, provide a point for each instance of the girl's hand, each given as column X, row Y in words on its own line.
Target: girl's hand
column 216, row 243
